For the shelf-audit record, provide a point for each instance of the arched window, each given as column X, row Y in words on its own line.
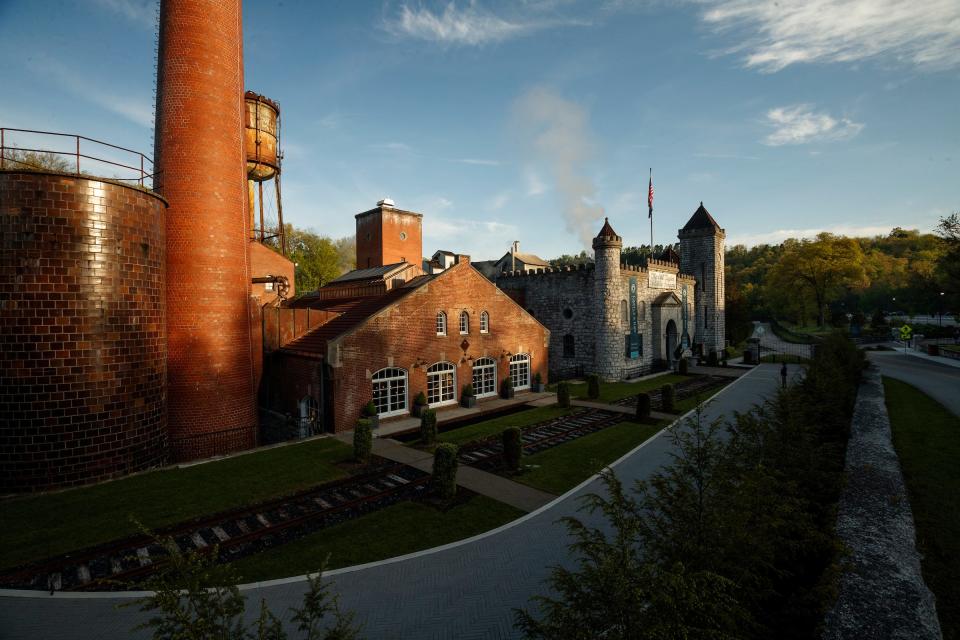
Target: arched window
column 520, row 371
column 464, row 323
column 641, row 310
column 441, row 384
column 484, row 322
column 485, row 377
column 569, row 346
column 441, row 324
column 624, row 315
column 390, row 391
column 704, row 317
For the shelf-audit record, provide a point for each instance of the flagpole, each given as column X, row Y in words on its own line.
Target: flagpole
column 650, row 202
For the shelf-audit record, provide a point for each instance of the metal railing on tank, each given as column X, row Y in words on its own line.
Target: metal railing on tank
column 76, row 155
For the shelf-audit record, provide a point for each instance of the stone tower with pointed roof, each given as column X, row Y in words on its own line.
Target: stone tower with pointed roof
column 608, row 356
column 701, row 255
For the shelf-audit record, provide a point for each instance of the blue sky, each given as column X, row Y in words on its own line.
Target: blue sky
column 531, row 120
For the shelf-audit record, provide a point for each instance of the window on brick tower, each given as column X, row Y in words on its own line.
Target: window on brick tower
column 569, row 346
column 464, row 323
column 484, row 322
column 441, row 324
column 703, row 277
column 705, row 312
column 624, row 315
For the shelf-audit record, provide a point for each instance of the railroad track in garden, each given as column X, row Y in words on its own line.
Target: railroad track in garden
column 686, row 389
column 488, row 453
column 235, row 534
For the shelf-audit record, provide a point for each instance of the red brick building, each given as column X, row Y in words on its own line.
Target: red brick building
column 388, row 332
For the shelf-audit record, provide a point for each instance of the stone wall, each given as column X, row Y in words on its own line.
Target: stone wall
column 701, row 256
column 561, row 299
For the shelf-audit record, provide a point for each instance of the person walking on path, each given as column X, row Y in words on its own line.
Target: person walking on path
column 783, row 375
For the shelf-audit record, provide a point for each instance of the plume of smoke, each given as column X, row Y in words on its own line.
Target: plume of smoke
column 557, row 132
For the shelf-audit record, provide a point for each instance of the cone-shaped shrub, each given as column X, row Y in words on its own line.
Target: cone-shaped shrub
column 712, row 360
column 445, row 470
column 362, row 441
column 593, row 386
column 563, row 395
column 667, row 396
column 428, row 426
column 643, row 406
column 684, row 367
column 512, row 448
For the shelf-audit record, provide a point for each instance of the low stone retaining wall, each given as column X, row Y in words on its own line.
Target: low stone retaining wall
column 882, row 593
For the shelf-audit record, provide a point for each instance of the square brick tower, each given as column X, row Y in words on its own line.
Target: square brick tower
column 701, row 255
column 387, row 235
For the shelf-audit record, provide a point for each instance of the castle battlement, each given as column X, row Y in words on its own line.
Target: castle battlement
column 546, row 271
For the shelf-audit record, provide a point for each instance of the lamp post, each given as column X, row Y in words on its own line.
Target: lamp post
column 940, row 320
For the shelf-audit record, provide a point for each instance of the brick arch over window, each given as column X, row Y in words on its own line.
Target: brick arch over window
column 520, row 371
column 464, row 323
column 441, row 384
column 441, row 323
column 484, row 322
column 485, row 377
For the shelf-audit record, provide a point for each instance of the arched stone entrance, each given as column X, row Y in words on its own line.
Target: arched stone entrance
column 670, row 341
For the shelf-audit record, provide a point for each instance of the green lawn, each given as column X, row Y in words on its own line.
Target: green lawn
column 37, row 527
column 927, row 439
column 495, row 426
column 613, row 391
column 401, row 528
column 564, row 467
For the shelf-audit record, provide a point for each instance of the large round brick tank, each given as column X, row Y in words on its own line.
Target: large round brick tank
column 82, row 330
column 200, row 169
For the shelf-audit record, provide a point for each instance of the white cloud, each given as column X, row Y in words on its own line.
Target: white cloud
column 725, row 156
column 454, row 25
column 134, row 108
column 779, row 235
column 139, row 11
column 774, row 34
column 800, row 124
column 499, row 201
column 535, row 185
column 479, row 161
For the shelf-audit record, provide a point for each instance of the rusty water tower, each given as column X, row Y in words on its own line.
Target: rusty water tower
column 262, row 144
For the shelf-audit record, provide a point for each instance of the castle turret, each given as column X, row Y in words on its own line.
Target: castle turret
column 701, row 255
column 608, row 358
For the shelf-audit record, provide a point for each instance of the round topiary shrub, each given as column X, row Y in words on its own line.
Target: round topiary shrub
column 369, row 409
column 684, row 367
column 428, row 426
column 643, row 406
column 563, row 395
column 512, row 448
column 712, row 360
column 593, row 386
column 362, row 441
column 445, row 470
column 667, row 397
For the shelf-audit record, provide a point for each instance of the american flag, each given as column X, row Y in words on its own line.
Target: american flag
column 650, row 196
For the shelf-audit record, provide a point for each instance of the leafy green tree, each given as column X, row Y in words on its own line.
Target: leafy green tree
column 948, row 264
column 821, row 268
column 572, row 261
column 14, row 158
column 316, row 258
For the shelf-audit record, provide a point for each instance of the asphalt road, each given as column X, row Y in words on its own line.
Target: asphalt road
column 939, row 381
column 465, row 590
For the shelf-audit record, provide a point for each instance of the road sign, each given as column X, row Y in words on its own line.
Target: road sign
column 905, row 332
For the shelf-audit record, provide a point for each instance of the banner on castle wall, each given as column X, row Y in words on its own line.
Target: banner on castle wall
column 633, row 340
column 663, row 280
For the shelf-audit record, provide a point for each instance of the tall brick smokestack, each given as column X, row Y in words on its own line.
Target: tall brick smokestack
column 199, row 157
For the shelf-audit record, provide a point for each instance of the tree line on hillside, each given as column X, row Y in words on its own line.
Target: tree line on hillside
column 832, row 280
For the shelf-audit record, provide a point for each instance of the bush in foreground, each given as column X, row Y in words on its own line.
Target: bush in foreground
column 445, row 470
column 512, row 448
column 667, row 397
column 593, row 386
column 428, row 427
column 563, row 395
column 643, row 406
column 362, row 441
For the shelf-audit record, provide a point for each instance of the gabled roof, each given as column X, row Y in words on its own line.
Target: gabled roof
column 666, row 299
column 353, row 312
column 368, row 274
column 701, row 219
column 526, row 258
column 607, row 231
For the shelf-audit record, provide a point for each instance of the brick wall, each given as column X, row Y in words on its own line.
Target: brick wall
column 82, row 331
column 201, row 165
column 405, row 334
column 702, row 256
column 267, row 262
column 387, row 236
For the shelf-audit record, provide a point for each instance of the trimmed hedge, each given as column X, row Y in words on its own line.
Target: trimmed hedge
column 362, row 441
column 563, row 395
column 428, row 427
column 643, row 406
column 512, row 448
column 445, row 470
column 667, row 397
column 684, row 367
column 593, row 386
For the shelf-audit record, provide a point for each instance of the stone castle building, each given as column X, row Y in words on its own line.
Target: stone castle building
column 620, row 321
